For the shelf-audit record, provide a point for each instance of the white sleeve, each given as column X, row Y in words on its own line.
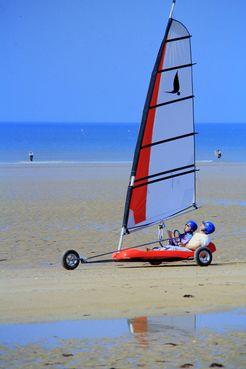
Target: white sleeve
column 205, row 241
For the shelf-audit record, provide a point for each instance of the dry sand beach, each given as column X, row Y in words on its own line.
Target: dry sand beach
column 46, row 210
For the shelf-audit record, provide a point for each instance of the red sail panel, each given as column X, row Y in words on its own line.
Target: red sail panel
column 138, row 201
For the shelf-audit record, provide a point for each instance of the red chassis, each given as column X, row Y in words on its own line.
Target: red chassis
column 203, row 255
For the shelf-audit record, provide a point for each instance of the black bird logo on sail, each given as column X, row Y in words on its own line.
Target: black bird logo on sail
column 176, row 85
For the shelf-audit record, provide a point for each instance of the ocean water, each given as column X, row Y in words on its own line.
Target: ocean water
column 83, row 142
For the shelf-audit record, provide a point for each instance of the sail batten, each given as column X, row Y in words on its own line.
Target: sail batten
column 169, row 139
column 165, row 178
column 163, row 172
column 178, row 38
column 166, row 172
column 171, row 102
column 176, row 67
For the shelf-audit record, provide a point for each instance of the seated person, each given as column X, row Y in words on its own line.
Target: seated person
column 184, row 238
column 199, row 239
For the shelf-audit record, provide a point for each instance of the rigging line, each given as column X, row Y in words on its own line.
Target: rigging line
column 177, row 67
column 128, row 248
column 178, row 38
column 169, row 139
column 165, row 178
column 171, row 102
column 166, row 172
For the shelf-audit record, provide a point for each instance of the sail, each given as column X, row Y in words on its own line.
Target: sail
column 162, row 182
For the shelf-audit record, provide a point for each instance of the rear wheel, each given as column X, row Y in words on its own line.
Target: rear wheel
column 203, row 256
column 70, row 259
column 155, row 262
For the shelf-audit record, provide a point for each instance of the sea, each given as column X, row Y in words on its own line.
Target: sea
column 106, row 142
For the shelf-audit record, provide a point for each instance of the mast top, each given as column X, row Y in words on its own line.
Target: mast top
column 172, row 9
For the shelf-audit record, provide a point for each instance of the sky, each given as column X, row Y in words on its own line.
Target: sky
column 91, row 60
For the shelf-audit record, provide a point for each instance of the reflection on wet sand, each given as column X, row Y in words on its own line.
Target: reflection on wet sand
column 140, row 327
column 197, row 341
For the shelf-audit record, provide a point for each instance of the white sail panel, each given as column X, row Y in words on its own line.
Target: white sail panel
column 177, row 30
column 177, row 53
column 172, row 114
column 163, row 173
column 171, row 152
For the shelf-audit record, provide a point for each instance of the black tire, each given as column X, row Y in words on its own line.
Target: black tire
column 70, row 260
column 155, row 262
column 203, row 256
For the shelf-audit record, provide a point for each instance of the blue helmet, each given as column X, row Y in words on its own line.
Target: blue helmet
column 192, row 225
column 209, row 227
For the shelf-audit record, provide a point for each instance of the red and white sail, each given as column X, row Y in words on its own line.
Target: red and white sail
column 162, row 182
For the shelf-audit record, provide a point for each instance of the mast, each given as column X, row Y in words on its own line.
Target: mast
column 142, row 127
column 162, row 182
column 172, row 9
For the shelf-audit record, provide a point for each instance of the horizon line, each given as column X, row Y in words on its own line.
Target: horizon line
column 101, row 122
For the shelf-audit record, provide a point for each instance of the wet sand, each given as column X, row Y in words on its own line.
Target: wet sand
column 166, row 349
column 47, row 210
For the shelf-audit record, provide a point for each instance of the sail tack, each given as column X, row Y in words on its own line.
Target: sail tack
column 163, row 173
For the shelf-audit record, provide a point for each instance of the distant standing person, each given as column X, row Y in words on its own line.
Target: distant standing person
column 31, row 156
column 218, row 153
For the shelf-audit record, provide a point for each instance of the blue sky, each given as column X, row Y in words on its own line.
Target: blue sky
column 90, row 60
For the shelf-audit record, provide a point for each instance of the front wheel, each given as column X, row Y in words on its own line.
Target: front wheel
column 70, row 259
column 203, row 256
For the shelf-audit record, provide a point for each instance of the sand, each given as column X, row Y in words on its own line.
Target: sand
column 46, row 210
